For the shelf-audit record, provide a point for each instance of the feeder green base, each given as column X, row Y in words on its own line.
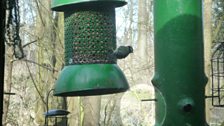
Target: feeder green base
column 90, row 79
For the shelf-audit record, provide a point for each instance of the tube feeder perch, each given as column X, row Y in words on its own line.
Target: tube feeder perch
column 56, row 114
column 90, row 41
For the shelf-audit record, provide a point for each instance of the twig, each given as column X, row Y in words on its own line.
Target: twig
column 39, row 12
column 41, row 65
column 35, row 85
column 25, row 45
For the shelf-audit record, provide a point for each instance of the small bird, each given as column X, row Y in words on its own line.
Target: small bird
column 122, row 52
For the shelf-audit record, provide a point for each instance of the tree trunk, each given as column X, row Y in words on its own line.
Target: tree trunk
column 128, row 32
column 44, row 78
column 8, row 84
column 142, row 30
column 49, row 54
column 91, row 106
column 207, row 52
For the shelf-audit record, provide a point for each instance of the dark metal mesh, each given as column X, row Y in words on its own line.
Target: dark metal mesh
column 90, row 36
column 217, row 67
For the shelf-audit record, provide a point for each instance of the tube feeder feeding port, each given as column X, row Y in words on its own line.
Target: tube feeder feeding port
column 90, row 42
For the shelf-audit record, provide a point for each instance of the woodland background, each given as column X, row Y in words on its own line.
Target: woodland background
column 33, row 77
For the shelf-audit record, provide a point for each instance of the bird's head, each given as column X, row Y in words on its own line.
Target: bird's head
column 130, row 49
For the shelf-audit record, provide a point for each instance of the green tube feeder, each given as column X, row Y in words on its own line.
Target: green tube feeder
column 90, row 40
column 179, row 77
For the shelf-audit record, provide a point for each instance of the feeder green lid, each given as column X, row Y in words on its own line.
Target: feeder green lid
column 63, row 5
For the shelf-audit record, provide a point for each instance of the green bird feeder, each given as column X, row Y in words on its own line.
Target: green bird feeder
column 179, row 77
column 90, row 39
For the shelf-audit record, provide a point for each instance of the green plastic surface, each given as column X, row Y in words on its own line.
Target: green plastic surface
column 90, row 79
column 90, row 36
column 63, row 5
column 179, row 71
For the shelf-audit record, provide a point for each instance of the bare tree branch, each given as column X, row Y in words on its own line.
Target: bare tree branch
column 25, row 45
column 40, row 14
column 35, row 85
column 41, row 65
